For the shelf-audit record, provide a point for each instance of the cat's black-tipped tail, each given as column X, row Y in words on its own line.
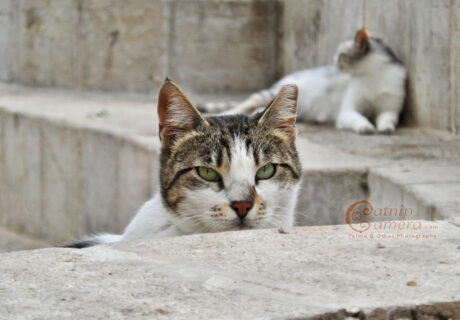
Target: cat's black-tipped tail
column 92, row 241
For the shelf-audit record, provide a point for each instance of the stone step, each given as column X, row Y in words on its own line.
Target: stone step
column 302, row 273
column 74, row 163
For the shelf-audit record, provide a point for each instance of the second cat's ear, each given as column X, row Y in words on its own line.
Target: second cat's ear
column 176, row 113
column 281, row 113
column 362, row 40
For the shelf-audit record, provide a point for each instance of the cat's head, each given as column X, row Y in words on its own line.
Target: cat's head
column 364, row 54
column 228, row 172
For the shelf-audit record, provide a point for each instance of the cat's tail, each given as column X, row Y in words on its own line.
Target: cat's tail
column 93, row 240
column 255, row 101
column 216, row 107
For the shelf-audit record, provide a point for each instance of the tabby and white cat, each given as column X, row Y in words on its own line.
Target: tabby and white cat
column 219, row 173
column 366, row 84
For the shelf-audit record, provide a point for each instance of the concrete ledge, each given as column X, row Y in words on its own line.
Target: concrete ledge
column 10, row 241
column 301, row 273
column 74, row 163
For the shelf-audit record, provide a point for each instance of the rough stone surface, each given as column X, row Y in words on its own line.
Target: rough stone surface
column 80, row 163
column 302, row 273
column 138, row 185
column 443, row 197
column 10, row 241
column 313, row 30
column 62, row 178
column 123, row 45
column 423, row 312
column 118, row 45
column 5, row 40
column 46, row 42
column 408, row 147
column 224, row 46
column 99, row 164
column 455, row 65
column 61, row 183
column 323, row 201
column 427, row 190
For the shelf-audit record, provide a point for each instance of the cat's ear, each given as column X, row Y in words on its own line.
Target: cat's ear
column 362, row 40
column 281, row 113
column 176, row 113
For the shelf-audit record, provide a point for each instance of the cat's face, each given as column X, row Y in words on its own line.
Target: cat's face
column 350, row 53
column 228, row 172
column 363, row 55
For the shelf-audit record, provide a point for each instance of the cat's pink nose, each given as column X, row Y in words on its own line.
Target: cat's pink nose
column 241, row 208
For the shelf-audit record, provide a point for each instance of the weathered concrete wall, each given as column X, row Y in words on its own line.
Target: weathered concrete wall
column 122, row 45
column 61, row 179
column 227, row 46
column 60, row 182
column 5, row 40
column 224, row 46
column 313, row 29
column 455, row 65
column 206, row 45
column 423, row 33
column 319, row 202
column 44, row 50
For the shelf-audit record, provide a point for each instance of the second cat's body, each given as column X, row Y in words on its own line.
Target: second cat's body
column 321, row 91
column 363, row 91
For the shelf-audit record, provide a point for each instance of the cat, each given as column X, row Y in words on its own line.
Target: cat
column 366, row 84
column 219, row 173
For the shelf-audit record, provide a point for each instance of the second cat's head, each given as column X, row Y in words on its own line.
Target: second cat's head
column 228, row 172
column 364, row 54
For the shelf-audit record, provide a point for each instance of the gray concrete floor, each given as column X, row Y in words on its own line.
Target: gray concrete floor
column 299, row 273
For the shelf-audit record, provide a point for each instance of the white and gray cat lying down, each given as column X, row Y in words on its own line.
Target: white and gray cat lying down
column 364, row 91
column 242, row 171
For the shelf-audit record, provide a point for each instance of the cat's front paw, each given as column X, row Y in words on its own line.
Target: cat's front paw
column 387, row 128
column 365, row 128
column 386, row 122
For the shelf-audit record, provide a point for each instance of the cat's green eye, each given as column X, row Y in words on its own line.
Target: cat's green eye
column 266, row 172
column 208, row 174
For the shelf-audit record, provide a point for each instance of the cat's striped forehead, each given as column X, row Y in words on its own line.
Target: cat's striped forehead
column 227, row 136
column 234, row 146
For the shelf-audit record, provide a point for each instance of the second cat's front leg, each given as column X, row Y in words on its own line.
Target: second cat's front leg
column 350, row 119
column 386, row 121
column 353, row 120
column 388, row 107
